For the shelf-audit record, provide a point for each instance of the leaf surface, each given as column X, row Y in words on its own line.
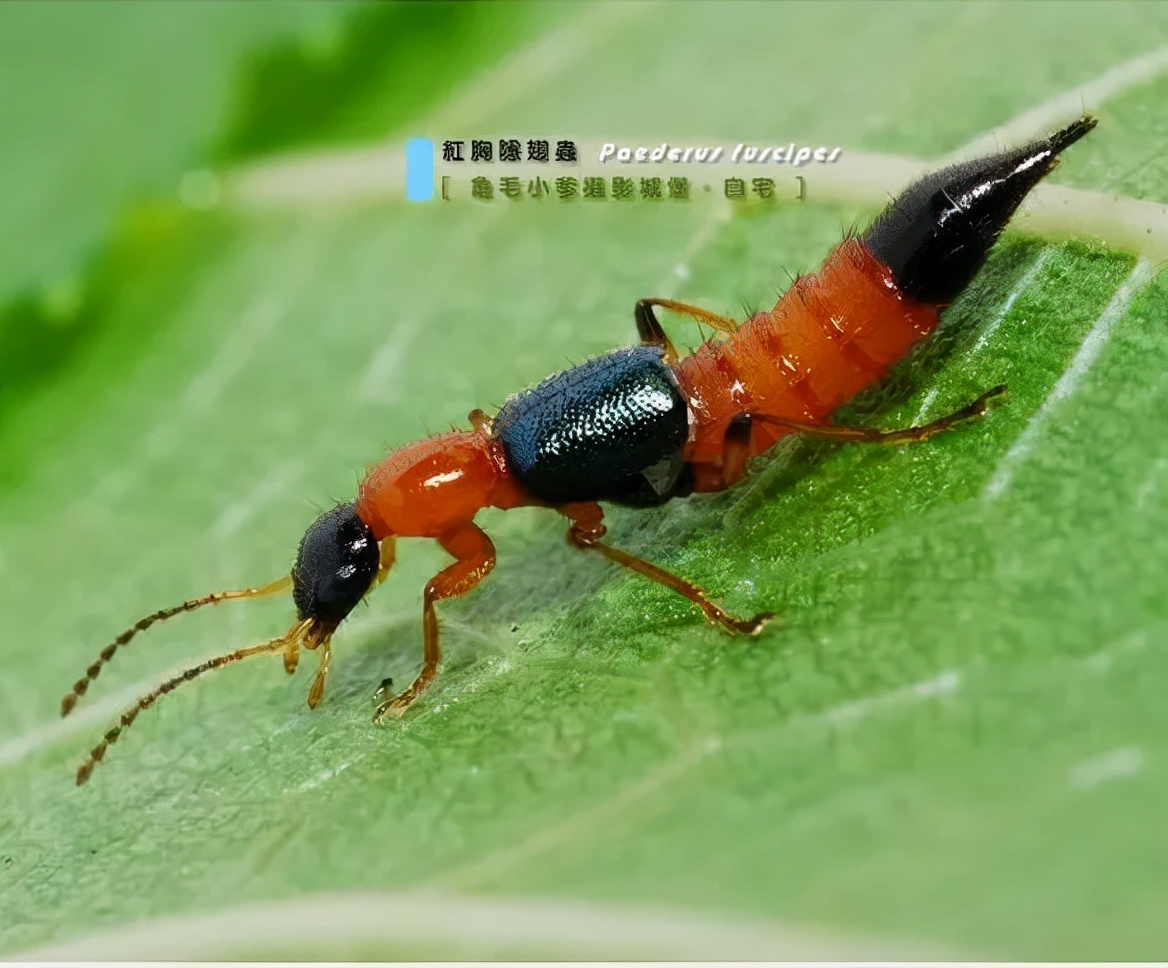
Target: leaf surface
column 955, row 738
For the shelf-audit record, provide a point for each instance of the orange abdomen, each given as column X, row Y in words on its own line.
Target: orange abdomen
column 831, row 335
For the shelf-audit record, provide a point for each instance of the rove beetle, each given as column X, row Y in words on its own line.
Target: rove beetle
column 641, row 426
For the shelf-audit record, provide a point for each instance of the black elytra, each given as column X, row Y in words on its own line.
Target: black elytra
column 335, row 565
column 612, row 429
column 937, row 233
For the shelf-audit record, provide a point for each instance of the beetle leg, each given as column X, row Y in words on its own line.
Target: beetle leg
column 387, row 556
column 647, row 319
column 316, row 691
column 291, row 656
column 476, row 557
column 586, row 530
column 652, row 333
column 709, row 477
column 480, row 421
column 866, row 435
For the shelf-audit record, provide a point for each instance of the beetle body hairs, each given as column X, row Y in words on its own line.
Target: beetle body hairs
column 642, row 426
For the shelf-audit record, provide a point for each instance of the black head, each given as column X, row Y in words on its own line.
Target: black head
column 335, row 565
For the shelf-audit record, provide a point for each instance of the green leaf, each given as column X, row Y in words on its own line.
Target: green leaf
column 952, row 744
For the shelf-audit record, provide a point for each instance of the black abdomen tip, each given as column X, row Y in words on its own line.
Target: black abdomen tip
column 936, row 234
column 1071, row 133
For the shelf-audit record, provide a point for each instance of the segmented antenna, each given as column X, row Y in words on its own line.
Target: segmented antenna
column 296, row 633
column 82, row 685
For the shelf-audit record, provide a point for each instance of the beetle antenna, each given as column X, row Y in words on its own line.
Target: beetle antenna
column 145, row 702
column 82, row 684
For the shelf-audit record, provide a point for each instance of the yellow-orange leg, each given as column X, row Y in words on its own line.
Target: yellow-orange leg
column 866, row 435
column 736, row 446
column 735, row 458
column 82, row 685
column 388, row 557
column 291, row 656
column 480, row 421
column 586, row 530
column 316, row 690
column 644, row 315
column 476, row 557
column 652, row 333
column 323, row 640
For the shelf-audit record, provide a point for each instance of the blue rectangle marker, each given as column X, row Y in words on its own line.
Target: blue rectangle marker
column 419, row 169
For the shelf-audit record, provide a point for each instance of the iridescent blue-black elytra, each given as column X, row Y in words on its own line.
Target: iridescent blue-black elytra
column 611, row 429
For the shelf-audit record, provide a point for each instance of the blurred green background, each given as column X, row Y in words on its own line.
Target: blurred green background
column 954, row 741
